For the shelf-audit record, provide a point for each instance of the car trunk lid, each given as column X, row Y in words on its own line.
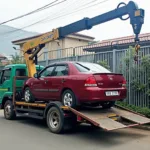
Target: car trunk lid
column 109, row 80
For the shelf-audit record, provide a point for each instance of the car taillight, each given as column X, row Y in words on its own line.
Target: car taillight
column 90, row 81
column 124, row 83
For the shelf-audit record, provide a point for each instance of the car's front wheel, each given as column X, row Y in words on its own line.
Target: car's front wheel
column 68, row 98
column 28, row 97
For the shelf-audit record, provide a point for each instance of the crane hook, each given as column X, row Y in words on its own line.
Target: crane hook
column 137, row 48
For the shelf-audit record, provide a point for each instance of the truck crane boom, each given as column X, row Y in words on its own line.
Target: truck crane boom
column 32, row 47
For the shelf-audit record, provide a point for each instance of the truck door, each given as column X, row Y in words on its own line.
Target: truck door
column 5, row 83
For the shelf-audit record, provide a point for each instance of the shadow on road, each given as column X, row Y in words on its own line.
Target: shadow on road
column 88, row 133
column 83, row 133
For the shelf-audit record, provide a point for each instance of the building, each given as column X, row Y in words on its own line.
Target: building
column 59, row 48
column 3, row 60
column 118, row 43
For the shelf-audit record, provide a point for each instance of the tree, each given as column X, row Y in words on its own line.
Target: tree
column 16, row 59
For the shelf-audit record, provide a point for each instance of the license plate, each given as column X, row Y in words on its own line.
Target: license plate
column 112, row 93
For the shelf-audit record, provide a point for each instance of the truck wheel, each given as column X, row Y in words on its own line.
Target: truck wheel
column 107, row 105
column 69, row 99
column 28, row 97
column 9, row 112
column 55, row 120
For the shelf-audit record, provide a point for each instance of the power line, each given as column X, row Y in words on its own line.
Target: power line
column 23, row 27
column 67, row 14
column 78, row 10
column 32, row 12
column 9, row 32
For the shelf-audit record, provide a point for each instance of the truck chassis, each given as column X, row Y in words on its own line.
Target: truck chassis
column 59, row 117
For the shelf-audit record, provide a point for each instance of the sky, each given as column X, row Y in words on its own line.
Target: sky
column 112, row 29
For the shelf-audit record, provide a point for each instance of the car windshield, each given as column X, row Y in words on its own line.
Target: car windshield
column 91, row 67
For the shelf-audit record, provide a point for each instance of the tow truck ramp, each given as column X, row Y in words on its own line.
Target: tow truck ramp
column 111, row 119
column 108, row 119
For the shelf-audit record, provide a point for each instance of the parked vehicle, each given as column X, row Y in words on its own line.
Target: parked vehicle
column 76, row 83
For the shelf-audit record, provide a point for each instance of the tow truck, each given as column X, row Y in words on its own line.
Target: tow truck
column 59, row 117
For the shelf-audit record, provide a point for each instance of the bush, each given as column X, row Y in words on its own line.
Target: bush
column 104, row 64
column 142, row 110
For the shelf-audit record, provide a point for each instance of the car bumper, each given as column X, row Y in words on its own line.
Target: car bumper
column 95, row 94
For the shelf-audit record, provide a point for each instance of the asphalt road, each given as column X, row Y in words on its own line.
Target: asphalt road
column 30, row 134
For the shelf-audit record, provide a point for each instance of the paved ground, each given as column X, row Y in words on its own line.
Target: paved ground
column 29, row 134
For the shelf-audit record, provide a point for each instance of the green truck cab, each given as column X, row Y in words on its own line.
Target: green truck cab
column 7, row 77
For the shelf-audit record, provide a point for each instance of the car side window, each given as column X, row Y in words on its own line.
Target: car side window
column 61, row 70
column 47, row 72
column 5, row 75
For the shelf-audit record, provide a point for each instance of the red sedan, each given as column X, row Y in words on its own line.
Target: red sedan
column 76, row 83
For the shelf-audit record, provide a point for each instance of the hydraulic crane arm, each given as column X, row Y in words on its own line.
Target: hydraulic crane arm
column 32, row 47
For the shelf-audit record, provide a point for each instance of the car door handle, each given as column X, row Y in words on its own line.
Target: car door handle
column 46, row 81
column 63, row 80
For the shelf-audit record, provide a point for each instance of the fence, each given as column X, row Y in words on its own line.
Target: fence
column 137, row 73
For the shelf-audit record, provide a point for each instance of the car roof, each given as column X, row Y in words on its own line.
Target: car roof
column 67, row 62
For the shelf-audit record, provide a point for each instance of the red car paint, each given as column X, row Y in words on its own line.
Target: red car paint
column 87, row 86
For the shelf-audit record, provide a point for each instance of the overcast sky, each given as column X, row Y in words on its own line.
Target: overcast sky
column 111, row 29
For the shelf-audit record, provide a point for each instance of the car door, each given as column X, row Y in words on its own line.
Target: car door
column 59, row 76
column 42, row 84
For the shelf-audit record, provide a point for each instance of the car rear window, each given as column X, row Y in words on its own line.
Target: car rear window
column 81, row 68
column 91, row 67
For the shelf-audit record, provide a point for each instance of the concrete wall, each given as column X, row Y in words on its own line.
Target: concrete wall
column 63, row 48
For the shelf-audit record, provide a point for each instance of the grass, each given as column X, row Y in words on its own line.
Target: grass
column 142, row 110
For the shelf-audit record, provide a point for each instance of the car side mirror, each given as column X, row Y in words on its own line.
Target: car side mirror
column 36, row 75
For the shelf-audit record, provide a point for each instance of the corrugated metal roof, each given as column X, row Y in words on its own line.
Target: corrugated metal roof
column 118, row 41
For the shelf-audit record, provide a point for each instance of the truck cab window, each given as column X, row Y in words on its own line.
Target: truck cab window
column 20, row 72
column 5, row 75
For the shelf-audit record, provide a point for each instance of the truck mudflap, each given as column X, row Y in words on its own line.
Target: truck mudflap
column 110, row 119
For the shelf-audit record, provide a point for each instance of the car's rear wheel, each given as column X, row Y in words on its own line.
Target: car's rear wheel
column 68, row 98
column 107, row 105
column 28, row 97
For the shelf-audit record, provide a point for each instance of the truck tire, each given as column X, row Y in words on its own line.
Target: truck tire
column 9, row 111
column 69, row 99
column 55, row 120
column 28, row 97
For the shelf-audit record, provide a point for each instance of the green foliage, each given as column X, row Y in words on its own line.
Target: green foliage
column 1, row 64
column 142, row 110
column 17, row 60
column 137, row 73
column 104, row 64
